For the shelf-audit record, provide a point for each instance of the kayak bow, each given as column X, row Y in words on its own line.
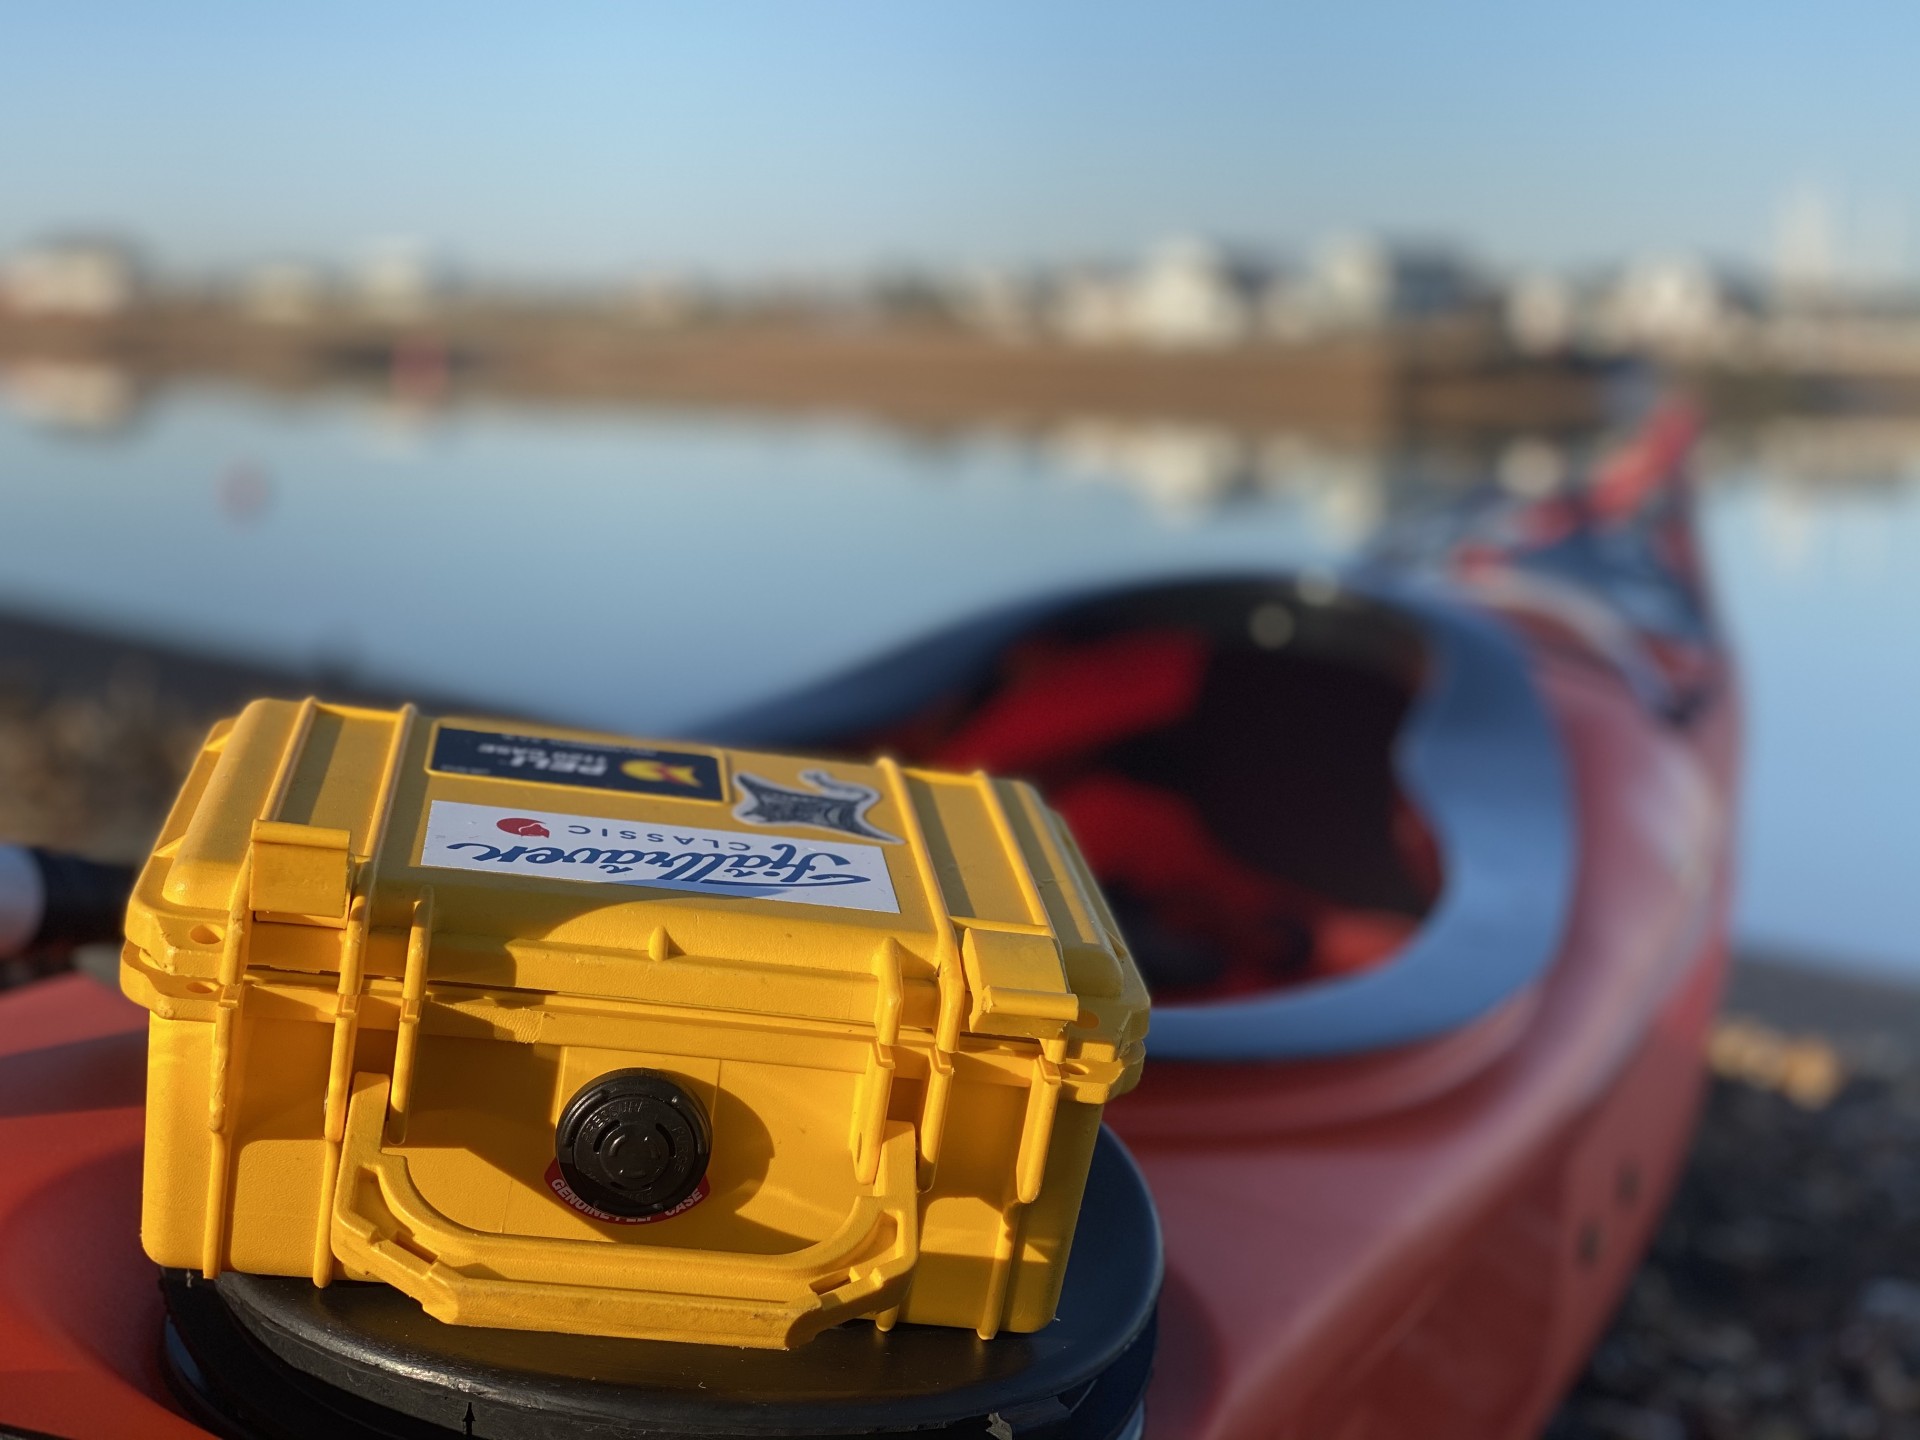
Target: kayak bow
column 1428, row 864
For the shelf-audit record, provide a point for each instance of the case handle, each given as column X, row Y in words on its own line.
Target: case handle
column 383, row 1228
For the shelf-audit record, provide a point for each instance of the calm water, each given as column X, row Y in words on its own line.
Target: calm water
column 639, row 571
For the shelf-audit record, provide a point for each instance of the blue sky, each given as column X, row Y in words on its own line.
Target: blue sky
column 597, row 139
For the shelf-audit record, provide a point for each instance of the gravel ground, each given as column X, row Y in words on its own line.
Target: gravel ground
column 95, row 735
column 1782, row 1298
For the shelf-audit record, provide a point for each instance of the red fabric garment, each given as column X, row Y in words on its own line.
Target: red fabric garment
column 1154, row 842
column 1055, row 714
column 1064, row 702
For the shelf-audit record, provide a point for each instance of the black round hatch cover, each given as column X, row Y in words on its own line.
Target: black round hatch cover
column 633, row 1143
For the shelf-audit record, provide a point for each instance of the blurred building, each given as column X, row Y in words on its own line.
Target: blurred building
column 901, row 295
column 1185, row 294
column 1365, row 282
column 283, row 292
column 82, row 278
column 666, row 301
column 1087, row 305
column 399, row 281
column 1192, row 293
column 1677, row 307
column 1544, row 313
column 999, row 302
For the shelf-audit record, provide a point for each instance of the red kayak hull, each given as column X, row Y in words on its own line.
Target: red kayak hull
column 79, row 1304
column 1429, row 1242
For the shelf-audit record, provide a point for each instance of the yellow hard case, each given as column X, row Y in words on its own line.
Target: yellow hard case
column 362, row 1037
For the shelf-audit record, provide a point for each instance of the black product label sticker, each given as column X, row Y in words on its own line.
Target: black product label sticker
column 636, row 769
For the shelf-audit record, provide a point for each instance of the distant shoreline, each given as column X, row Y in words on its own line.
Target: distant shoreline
column 1444, row 378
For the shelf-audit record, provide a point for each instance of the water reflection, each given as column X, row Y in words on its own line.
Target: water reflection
column 1849, row 451
column 82, row 396
column 1346, row 491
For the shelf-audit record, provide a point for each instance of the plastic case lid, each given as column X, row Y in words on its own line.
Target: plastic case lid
column 671, row 873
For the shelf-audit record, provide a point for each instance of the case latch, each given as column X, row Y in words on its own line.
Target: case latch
column 300, row 872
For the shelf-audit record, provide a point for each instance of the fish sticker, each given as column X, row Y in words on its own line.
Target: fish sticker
column 832, row 804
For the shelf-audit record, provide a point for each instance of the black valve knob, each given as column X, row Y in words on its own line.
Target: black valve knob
column 633, row 1143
